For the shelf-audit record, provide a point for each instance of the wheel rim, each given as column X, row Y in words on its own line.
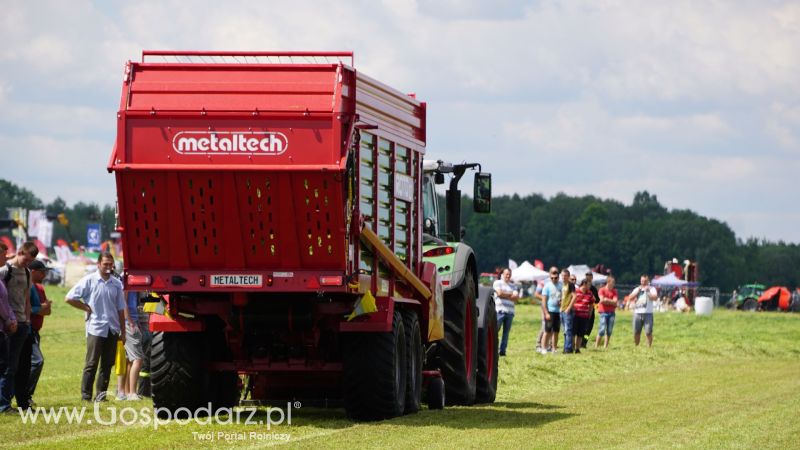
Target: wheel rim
column 469, row 339
column 491, row 341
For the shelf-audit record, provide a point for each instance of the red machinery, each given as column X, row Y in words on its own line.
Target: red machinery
column 274, row 199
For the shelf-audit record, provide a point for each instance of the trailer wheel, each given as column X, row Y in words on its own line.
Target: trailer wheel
column 175, row 372
column 750, row 304
column 435, row 396
column 375, row 372
column 460, row 350
column 414, row 355
column 487, row 355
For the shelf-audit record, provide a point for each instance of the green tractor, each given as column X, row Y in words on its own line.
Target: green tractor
column 467, row 356
column 745, row 297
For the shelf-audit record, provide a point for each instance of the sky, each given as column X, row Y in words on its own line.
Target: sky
column 697, row 102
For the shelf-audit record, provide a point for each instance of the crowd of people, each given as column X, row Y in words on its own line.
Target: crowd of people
column 114, row 336
column 571, row 306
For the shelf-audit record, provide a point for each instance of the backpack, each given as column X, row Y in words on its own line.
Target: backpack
column 8, row 275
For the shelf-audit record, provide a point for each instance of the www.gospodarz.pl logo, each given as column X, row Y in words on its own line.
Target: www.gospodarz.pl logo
column 155, row 417
column 254, row 143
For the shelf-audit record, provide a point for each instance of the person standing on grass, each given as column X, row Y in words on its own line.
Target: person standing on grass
column 643, row 297
column 133, row 346
column 8, row 320
column 551, row 302
column 566, row 309
column 582, row 305
column 17, row 278
column 101, row 296
column 40, row 307
column 506, row 297
column 596, row 296
column 607, row 310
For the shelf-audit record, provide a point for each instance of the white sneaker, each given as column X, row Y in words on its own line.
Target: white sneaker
column 542, row 351
column 134, row 397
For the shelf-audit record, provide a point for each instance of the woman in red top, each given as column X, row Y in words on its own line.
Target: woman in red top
column 607, row 310
column 584, row 302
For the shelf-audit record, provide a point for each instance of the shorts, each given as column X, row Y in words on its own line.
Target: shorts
column 606, row 323
column 133, row 344
column 641, row 320
column 554, row 324
column 580, row 326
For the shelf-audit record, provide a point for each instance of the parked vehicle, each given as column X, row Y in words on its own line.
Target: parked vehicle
column 280, row 205
column 745, row 297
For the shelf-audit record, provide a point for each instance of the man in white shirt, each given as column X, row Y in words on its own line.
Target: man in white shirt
column 644, row 294
column 506, row 295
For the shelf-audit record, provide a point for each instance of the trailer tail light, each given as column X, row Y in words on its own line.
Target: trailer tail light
column 139, row 280
column 202, row 280
column 269, row 280
column 439, row 251
column 331, row 280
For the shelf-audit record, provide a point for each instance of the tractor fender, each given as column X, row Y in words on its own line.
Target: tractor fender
column 485, row 295
column 463, row 258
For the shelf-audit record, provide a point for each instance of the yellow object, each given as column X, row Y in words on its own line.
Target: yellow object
column 364, row 305
column 150, row 307
column 436, row 312
column 120, row 362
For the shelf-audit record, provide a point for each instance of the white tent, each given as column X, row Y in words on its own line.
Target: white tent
column 580, row 271
column 527, row 272
column 668, row 280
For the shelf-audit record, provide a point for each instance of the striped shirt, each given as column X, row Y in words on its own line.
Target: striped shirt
column 504, row 305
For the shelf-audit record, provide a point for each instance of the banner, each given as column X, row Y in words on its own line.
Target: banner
column 93, row 235
column 45, row 234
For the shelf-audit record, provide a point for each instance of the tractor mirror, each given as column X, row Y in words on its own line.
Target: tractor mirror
column 438, row 178
column 482, row 198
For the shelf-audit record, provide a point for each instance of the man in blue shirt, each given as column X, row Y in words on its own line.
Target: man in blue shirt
column 551, row 302
column 101, row 296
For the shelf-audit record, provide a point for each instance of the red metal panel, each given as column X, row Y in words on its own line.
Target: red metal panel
column 179, row 325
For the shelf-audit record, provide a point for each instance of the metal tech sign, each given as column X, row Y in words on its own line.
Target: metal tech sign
column 230, row 143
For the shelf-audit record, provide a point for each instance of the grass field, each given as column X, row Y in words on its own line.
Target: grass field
column 727, row 381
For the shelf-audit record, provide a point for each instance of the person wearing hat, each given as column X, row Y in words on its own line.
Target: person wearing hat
column 40, row 307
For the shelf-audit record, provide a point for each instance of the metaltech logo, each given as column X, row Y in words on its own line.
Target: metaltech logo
column 230, row 143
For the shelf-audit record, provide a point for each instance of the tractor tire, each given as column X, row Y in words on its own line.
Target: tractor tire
column 750, row 304
column 487, row 354
column 176, row 372
column 459, row 353
column 414, row 353
column 435, row 396
column 375, row 378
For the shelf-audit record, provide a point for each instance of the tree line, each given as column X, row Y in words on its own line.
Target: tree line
column 630, row 239
column 78, row 215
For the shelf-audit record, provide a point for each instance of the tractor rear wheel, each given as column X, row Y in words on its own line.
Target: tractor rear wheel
column 459, row 352
column 750, row 304
column 176, row 373
column 375, row 372
column 487, row 354
column 414, row 352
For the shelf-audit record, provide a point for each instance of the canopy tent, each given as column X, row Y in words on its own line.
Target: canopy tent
column 670, row 279
column 528, row 273
column 777, row 296
column 580, row 271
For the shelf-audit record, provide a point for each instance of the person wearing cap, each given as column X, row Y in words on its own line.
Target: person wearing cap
column 40, row 307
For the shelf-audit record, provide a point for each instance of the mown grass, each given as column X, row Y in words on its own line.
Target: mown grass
column 727, row 381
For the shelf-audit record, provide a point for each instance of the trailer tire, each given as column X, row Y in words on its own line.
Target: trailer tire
column 487, row 354
column 375, row 367
column 750, row 304
column 435, row 396
column 414, row 354
column 175, row 372
column 459, row 353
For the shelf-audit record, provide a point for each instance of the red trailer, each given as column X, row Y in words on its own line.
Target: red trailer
column 274, row 201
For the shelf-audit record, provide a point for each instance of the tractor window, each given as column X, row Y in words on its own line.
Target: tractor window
column 429, row 207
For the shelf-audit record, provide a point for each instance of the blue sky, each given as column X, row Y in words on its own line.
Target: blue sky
column 697, row 102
